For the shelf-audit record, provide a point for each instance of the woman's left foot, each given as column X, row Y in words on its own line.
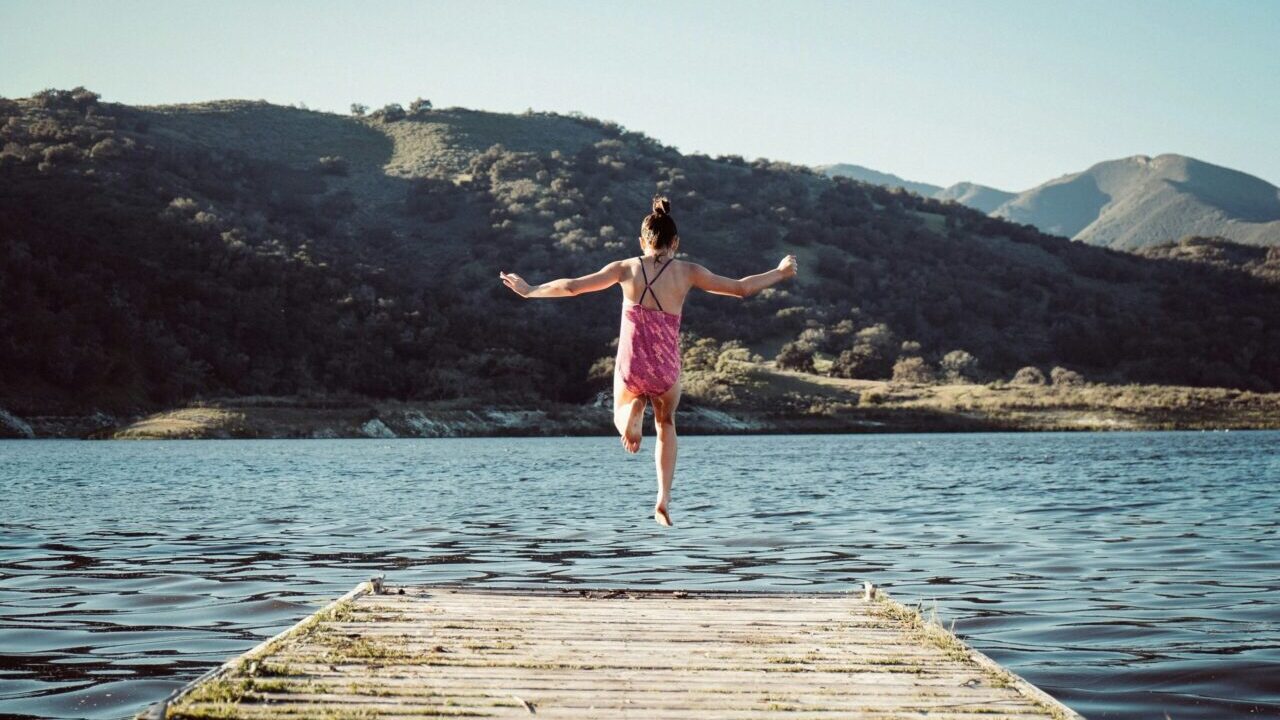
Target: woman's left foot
column 660, row 515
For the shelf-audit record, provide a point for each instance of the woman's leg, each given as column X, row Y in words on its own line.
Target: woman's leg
column 628, row 414
column 664, row 455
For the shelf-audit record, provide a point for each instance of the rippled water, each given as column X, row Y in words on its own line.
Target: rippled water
column 1131, row 575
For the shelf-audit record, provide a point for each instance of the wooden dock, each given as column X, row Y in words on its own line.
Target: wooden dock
column 474, row 652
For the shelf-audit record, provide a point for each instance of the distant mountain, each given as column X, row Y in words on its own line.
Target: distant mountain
column 978, row 197
column 875, row 177
column 1124, row 204
column 1139, row 201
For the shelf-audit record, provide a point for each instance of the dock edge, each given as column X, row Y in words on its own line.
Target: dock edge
column 942, row 636
column 159, row 710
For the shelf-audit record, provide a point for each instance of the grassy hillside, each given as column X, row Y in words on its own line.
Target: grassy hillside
column 151, row 255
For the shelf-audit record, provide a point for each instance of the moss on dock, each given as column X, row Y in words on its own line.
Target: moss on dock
column 931, row 631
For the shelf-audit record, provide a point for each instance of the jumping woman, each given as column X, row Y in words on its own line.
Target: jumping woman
column 647, row 368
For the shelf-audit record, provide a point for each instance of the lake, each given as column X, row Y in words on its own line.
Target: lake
column 1129, row 574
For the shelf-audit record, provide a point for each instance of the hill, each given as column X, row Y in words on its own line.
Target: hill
column 1138, row 201
column 875, row 177
column 150, row 256
column 978, row 197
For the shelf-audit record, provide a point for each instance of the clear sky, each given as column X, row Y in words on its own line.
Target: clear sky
column 1004, row 93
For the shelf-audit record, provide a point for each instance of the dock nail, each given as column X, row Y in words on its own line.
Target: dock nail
column 526, row 704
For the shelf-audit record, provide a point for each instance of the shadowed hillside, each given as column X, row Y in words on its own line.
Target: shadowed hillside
column 154, row 255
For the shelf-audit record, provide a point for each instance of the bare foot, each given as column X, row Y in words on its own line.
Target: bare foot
column 631, row 440
column 660, row 515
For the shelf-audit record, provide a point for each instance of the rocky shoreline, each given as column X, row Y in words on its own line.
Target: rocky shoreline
column 869, row 408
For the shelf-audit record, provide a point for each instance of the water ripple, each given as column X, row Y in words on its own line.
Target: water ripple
column 1132, row 575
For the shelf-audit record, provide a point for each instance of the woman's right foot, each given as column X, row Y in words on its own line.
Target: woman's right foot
column 660, row 515
column 635, row 421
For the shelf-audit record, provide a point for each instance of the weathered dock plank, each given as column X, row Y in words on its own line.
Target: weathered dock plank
column 481, row 652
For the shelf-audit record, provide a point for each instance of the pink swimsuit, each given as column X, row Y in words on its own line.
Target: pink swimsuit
column 648, row 344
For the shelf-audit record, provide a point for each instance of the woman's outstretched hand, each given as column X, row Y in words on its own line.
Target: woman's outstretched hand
column 788, row 266
column 516, row 283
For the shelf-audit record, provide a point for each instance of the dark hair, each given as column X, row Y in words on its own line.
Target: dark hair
column 658, row 227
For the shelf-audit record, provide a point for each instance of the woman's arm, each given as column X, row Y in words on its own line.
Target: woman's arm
column 605, row 277
column 704, row 279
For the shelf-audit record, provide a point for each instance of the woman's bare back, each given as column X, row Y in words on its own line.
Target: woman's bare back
column 668, row 280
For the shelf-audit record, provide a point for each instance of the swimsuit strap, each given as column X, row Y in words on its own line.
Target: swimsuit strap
column 648, row 283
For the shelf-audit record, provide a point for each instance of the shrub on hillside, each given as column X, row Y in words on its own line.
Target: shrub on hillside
column 359, row 109
column 872, row 356
column 1029, row 375
column 959, row 366
column 601, row 371
column 913, row 370
column 390, row 112
column 421, row 105
column 333, row 165
column 734, row 358
column 75, row 99
column 796, row 356
column 701, row 354
column 107, row 148
column 62, row 153
column 1066, row 378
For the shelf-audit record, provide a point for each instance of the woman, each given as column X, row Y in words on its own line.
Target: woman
column 647, row 367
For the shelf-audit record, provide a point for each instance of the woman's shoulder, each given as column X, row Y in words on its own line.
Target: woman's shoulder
column 689, row 266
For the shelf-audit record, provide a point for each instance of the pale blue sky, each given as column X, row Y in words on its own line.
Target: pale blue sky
column 1004, row 93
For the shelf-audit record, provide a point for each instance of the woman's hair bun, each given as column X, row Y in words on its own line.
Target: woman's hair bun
column 658, row 227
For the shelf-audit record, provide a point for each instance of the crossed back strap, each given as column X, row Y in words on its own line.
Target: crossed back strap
column 648, row 289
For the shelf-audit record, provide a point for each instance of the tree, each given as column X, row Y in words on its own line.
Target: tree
column 390, row 112
column 959, row 366
column 1029, row 375
column 874, row 350
column 1066, row 378
column 702, row 354
column 913, row 371
column 333, row 165
column 796, row 356
column 359, row 109
column 421, row 105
